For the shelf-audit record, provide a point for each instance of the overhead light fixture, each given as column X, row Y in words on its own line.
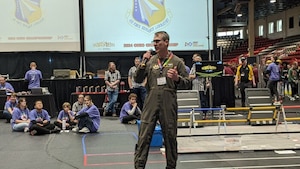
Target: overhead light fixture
column 239, row 14
column 272, row 1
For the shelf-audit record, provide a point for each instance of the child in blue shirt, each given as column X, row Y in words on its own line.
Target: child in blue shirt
column 9, row 107
column 88, row 117
column 20, row 118
column 33, row 76
column 40, row 121
column 65, row 114
column 130, row 112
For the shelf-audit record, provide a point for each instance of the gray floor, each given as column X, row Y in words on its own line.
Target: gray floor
column 243, row 146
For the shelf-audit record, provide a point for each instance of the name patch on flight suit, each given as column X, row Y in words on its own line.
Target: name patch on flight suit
column 169, row 65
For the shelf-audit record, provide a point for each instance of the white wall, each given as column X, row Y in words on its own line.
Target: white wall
column 286, row 32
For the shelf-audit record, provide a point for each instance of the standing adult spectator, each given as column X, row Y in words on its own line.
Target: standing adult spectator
column 33, row 76
column 40, row 121
column 79, row 104
column 137, row 88
column 194, row 57
column 284, row 78
column 164, row 72
column 265, row 74
column 244, row 78
column 200, row 84
column 88, row 117
column 293, row 80
column 112, row 79
column 20, row 118
column 130, row 111
column 274, row 77
column 9, row 107
column 6, row 86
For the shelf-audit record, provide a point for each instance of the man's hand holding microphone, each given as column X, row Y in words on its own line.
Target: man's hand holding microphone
column 147, row 55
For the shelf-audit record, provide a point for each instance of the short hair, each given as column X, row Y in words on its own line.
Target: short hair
column 33, row 64
column 88, row 97
column 196, row 54
column 110, row 63
column 131, row 95
column 165, row 35
column 80, row 95
column 137, row 58
column 13, row 95
column 66, row 104
column 38, row 101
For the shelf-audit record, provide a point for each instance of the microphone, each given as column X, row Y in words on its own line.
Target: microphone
column 152, row 52
column 145, row 60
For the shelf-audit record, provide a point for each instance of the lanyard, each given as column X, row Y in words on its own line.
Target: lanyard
column 161, row 66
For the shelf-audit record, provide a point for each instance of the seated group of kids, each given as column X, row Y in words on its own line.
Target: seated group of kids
column 86, row 120
column 37, row 121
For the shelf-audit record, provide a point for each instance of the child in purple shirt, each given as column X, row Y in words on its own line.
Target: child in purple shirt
column 88, row 117
column 9, row 107
column 40, row 121
column 67, row 115
column 20, row 118
column 130, row 112
column 33, row 76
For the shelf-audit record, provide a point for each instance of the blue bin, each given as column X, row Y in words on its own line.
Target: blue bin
column 157, row 138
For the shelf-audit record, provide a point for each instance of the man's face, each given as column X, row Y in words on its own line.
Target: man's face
column 159, row 43
column 80, row 99
column 137, row 61
column 112, row 66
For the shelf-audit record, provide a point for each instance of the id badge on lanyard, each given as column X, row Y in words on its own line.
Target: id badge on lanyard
column 161, row 81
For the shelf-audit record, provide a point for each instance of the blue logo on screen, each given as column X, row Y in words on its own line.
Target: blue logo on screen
column 28, row 11
column 148, row 15
column 149, row 12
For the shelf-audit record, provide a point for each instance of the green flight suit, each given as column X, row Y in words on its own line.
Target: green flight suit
column 160, row 104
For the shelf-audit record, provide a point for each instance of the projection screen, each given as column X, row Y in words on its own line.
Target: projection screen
column 39, row 25
column 129, row 25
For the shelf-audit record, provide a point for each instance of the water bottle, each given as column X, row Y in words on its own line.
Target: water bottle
column 64, row 124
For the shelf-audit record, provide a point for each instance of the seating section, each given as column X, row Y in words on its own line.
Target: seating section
column 287, row 50
column 229, row 44
column 260, row 45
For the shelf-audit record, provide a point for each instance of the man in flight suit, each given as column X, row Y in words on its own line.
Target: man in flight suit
column 165, row 72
